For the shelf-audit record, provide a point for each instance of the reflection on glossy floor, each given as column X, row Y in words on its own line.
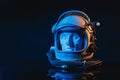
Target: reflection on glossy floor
column 74, row 74
column 38, row 71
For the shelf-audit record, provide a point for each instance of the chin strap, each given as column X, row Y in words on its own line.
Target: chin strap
column 69, row 64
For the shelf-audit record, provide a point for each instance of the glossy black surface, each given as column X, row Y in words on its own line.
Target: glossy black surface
column 34, row 71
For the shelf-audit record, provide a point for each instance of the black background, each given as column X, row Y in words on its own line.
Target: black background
column 25, row 33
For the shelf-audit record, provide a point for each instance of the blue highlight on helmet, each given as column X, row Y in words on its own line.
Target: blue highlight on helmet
column 74, row 40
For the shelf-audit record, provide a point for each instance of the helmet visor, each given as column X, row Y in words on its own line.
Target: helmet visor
column 71, row 41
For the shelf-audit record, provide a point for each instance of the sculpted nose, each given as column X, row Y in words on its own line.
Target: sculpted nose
column 70, row 41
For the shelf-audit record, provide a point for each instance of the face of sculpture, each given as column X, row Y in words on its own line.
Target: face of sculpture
column 70, row 41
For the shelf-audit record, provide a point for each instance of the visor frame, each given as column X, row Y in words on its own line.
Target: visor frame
column 70, row 29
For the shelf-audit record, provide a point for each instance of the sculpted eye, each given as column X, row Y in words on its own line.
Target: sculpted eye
column 63, row 36
column 76, row 37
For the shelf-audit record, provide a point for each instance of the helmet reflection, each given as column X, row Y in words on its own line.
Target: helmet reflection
column 74, row 74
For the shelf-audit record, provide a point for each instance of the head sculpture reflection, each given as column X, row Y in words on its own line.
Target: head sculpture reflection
column 74, row 41
column 74, row 74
